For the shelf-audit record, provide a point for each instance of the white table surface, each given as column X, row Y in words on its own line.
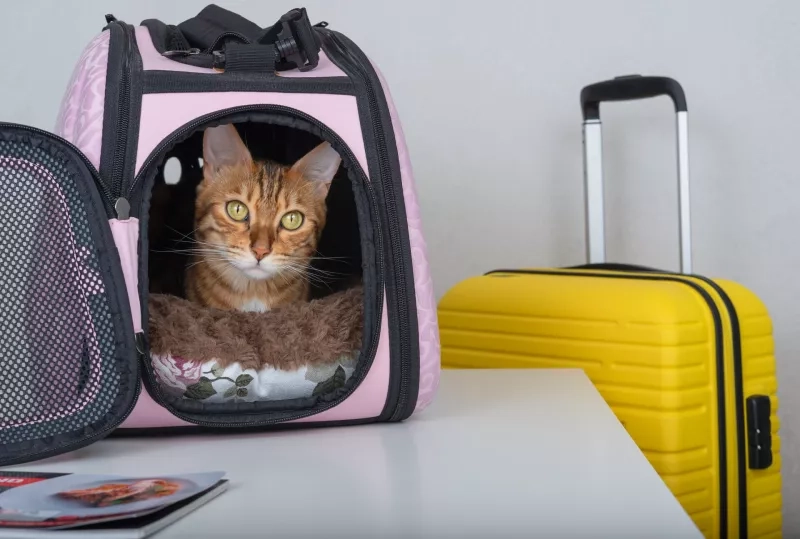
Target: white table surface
column 506, row 453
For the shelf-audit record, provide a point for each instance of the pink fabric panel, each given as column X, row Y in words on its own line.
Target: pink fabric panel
column 80, row 118
column 152, row 60
column 148, row 414
column 369, row 398
column 429, row 345
column 126, row 237
column 164, row 113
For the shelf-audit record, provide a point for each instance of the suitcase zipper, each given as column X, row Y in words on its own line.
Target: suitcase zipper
column 738, row 376
column 738, row 389
column 193, row 126
column 402, row 404
column 720, row 358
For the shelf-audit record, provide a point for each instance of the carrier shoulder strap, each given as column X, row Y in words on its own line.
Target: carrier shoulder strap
column 213, row 24
column 238, row 44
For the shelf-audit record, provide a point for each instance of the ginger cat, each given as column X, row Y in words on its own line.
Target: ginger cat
column 257, row 224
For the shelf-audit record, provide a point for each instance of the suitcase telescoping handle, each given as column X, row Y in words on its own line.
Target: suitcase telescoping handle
column 628, row 88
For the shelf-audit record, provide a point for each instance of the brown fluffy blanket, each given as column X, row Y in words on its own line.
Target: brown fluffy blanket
column 302, row 334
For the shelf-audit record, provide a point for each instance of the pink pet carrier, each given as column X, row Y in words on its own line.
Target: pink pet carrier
column 84, row 207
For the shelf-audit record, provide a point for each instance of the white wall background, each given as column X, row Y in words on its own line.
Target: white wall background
column 488, row 92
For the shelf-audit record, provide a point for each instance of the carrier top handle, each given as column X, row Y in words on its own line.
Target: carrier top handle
column 240, row 45
column 628, row 88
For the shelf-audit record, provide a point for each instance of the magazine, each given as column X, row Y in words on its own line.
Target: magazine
column 65, row 505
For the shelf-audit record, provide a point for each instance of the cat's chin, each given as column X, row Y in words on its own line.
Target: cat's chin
column 254, row 271
column 258, row 273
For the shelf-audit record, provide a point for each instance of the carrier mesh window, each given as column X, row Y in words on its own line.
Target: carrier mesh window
column 57, row 341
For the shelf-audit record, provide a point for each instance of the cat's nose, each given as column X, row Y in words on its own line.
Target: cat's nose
column 260, row 252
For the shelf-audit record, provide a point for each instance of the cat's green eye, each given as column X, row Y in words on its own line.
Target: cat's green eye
column 236, row 210
column 292, row 220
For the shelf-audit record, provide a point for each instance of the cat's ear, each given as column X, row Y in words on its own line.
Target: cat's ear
column 319, row 166
column 223, row 147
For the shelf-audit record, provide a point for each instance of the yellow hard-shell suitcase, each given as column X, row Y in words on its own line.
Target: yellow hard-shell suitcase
column 686, row 362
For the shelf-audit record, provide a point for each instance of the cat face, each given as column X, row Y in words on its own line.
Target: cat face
column 257, row 220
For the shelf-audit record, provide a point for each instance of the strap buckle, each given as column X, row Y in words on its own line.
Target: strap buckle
column 295, row 41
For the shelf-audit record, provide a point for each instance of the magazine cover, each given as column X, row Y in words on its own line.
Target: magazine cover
column 59, row 501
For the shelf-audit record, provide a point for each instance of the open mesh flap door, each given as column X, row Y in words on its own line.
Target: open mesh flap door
column 68, row 365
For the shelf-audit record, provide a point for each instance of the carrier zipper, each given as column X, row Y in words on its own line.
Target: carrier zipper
column 394, row 233
column 123, row 123
column 380, row 287
column 106, row 195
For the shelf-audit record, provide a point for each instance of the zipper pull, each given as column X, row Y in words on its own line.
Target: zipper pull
column 123, row 209
column 139, row 339
column 187, row 52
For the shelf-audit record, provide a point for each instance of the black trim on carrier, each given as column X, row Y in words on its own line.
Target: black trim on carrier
column 192, row 430
column 126, row 359
column 112, row 106
column 123, row 104
column 167, row 82
column 268, row 413
column 378, row 132
column 586, row 270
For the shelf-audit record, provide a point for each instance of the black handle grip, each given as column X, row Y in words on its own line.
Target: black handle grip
column 627, row 88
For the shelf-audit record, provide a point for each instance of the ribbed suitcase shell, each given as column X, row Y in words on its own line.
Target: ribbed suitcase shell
column 650, row 342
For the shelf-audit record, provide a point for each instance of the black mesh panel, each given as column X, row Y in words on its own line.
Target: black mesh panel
column 59, row 373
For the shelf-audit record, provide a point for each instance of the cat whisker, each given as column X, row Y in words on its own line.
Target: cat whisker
column 194, row 241
column 206, row 261
column 205, row 247
column 319, row 256
column 325, row 273
column 316, row 258
column 199, row 254
column 223, row 273
column 303, row 273
column 306, row 277
column 192, row 250
column 183, row 236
